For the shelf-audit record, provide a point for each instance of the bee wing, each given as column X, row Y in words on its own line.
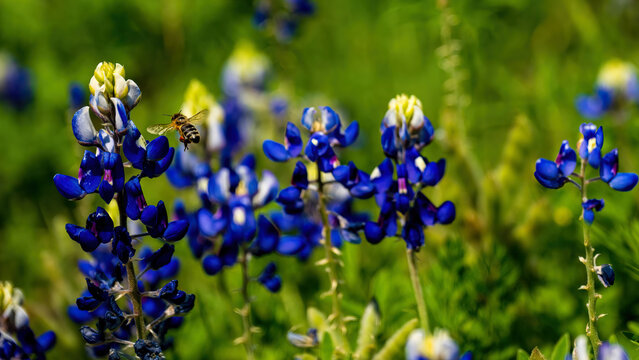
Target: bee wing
column 199, row 117
column 160, row 129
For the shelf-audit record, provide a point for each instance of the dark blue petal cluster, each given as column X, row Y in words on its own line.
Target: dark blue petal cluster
column 339, row 183
column 399, row 180
column 554, row 174
column 112, row 246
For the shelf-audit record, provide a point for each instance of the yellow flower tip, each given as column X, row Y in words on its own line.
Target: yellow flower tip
column 404, row 104
column 197, row 98
column 616, row 74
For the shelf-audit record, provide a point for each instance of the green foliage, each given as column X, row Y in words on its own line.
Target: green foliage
column 394, row 346
column 561, row 348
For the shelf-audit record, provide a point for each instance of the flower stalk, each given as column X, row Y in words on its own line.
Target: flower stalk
column 245, row 312
column 591, row 329
column 133, row 291
column 331, row 268
column 417, row 290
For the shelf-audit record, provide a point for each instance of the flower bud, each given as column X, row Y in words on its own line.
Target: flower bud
column 120, row 87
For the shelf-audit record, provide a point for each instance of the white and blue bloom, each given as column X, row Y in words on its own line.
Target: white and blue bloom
column 617, row 85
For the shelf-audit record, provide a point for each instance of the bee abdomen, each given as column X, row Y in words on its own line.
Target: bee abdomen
column 191, row 133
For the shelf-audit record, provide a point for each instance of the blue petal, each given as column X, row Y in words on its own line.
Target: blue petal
column 267, row 189
column 609, row 166
column 363, row 190
column 209, row 224
column 82, row 126
column 293, row 140
column 446, row 213
column 350, row 134
column 176, row 230
column 212, row 264
column 300, row 176
column 547, row 169
column 149, row 216
column 288, row 195
column 290, row 244
column 589, row 216
column 90, row 172
column 157, row 168
column 133, row 150
column 275, row 151
column 624, row 181
column 68, row 187
column 121, row 119
column 434, row 172
column 308, row 117
column 79, row 316
column 82, row 236
column 273, row 284
column 382, row 176
column 220, row 185
column 157, row 149
column 267, row 236
column 373, row 232
column 330, row 119
column 388, row 142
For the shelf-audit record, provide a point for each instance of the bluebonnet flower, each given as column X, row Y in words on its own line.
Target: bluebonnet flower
column 608, row 351
column 246, row 71
column 605, row 273
column 437, row 346
column 339, row 183
column 282, row 17
column 399, row 179
column 111, row 245
column 590, row 206
column 617, row 85
column 554, row 175
column 236, row 193
column 17, row 339
column 16, row 85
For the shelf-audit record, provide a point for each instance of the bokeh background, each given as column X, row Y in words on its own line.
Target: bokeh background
column 497, row 78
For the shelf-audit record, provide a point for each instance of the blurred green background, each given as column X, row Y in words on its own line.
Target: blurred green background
column 497, row 78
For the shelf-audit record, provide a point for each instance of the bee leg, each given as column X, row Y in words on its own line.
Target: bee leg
column 186, row 146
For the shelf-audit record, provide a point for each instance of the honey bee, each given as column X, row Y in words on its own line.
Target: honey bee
column 184, row 125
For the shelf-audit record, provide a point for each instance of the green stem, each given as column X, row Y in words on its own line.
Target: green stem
column 134, row 291
column 245, row 312
column 331, row 269
column 591, row 330
column 417, row 289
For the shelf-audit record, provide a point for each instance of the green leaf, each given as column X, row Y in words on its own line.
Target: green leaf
column 632, row 337
column 522, row 355
column 562, row 348
column 631, row 347
column 393, row 347
column 368, row 329
column 537, row 355
column 326, row 348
